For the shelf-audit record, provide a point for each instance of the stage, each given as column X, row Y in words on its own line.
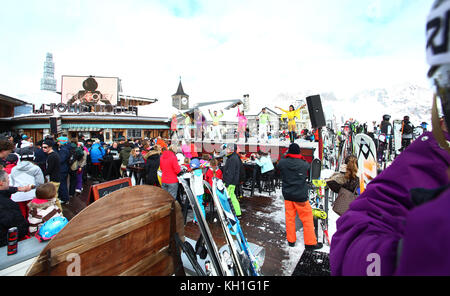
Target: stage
column 275, row 147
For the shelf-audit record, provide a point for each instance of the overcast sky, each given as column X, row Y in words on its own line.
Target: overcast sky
column 221, row 49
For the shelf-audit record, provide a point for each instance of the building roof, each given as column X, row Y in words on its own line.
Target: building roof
column 128, row 97
column 180, row 91
column 12, row 100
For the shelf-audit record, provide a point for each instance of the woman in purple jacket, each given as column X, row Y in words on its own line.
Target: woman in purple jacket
column 401, row 224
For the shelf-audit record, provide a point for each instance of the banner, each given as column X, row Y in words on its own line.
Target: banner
column 89, row 90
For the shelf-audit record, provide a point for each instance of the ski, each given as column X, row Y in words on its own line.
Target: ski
column 216, row 262
column 245, row 261
column 319, row 210
column 190, row 254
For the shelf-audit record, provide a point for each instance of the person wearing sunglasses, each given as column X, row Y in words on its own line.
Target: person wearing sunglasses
column 135, row 157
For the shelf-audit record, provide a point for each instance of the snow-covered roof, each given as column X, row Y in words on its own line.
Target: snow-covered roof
column 40, row 97
column 162, row 108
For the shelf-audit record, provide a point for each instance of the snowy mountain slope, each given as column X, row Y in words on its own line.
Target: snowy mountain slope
column 370, row 105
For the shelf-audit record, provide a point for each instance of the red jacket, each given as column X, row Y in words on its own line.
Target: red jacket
column 169, row 167
column 9, row 167
column 210, row 174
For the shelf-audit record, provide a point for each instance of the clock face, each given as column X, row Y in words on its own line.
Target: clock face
column 184, row 101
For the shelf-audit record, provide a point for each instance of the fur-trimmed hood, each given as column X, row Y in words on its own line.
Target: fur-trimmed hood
column 41, row 203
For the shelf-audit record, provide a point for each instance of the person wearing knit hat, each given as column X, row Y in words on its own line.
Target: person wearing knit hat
column 63, row 140
column 294, row 171
column 294, row 149
column 25, row 173
column 25, row 142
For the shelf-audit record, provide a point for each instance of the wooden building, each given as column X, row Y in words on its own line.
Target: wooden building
column 122, row 121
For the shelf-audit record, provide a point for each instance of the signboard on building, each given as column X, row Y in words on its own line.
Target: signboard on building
column 89, row 90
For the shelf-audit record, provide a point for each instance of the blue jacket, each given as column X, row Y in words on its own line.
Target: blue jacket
column 265, row 162
column 97, row 152
column 64, row 154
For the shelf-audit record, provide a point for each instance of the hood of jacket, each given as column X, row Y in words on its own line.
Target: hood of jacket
column 41, row 203
column 167, row 155
column 126, row 149
column 25, row 166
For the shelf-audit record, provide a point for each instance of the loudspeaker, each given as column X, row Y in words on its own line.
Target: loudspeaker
column 315, row 111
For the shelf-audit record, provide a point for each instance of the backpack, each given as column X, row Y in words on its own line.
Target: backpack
column 72, row 156
column 407, row 128
column 79, row 154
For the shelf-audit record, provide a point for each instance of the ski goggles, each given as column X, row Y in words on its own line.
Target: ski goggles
column 440, row 82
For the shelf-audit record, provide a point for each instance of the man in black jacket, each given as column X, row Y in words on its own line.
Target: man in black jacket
column 231, row 175
column 294, row 171
column 407, row 132
column 52, row 166
column 10, row 214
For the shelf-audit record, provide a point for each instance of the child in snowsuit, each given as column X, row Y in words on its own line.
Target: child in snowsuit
column 212, row 172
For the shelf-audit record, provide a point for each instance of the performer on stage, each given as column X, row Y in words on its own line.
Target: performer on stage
column 242, row 124
column 290, row 115
column 173, row 126
column 187, row 126
column 216, row 127
column 263, row 125
column 200, row 123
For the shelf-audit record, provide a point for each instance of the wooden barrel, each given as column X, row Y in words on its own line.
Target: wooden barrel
column 127, row 232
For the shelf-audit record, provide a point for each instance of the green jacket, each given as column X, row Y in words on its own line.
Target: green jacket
column 264, row 118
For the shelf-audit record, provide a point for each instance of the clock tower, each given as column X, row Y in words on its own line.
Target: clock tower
column 180, row 100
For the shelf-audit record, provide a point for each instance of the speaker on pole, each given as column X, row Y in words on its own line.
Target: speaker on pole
column 315, row 111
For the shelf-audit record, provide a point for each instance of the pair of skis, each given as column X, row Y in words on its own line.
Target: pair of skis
column 246, row 264
column 238, row 259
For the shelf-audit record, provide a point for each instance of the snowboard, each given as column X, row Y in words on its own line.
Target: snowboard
column 216, row 260
column 397, row 126
column 366, row 154
column 245, row 262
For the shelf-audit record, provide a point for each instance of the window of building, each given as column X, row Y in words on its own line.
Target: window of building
column 134, row 133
